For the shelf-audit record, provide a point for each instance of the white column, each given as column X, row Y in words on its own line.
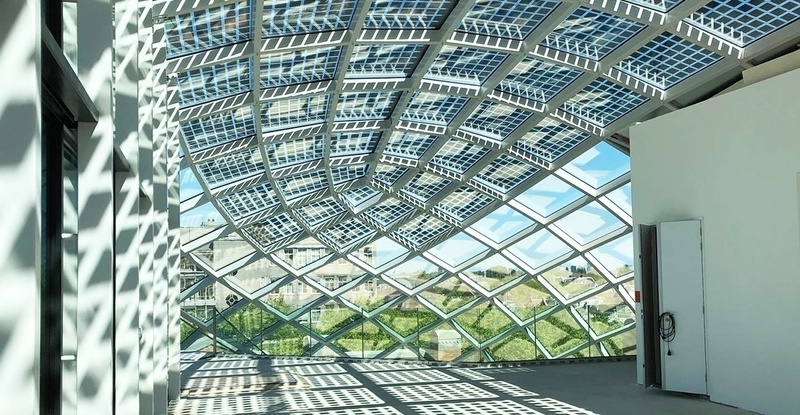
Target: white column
column 95, row 320
column 126, row 121
column 161, row 226
column 20, row 173
column 174, row 242
column 146, row 256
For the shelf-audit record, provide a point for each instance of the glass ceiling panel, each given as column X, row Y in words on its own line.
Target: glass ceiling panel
column 513, row 19
column 458, row 156
column 433, row 108
column 464, row 65
column 617, row 255
column 319, row 211
column 213, row 82
column 383, row 61
column 246, row 202
column 405, row 144
column 458, row 249
column 299, row 66
column 603, row 102
column 550, row 140
column 219, row 128
column 365, row 105
column 407, row 14
column 539, row 249
column 592, row 34
column 348, row 144
column 505, row 173
column 421, row 230
column 743, row 21
column 599, row 165
column 496, row 121
column 224, row 252
column 298, row 185
column 502, row 224
column 463, row 203
column 589, row 223
column 232, row 167
column 387, row 250
column 270, row 232
column 360, row 195
column 289, row 17
column 294, row 112
column 660, row 5
column 389, row 211
column 388, row 174
column 538, row 80
column 549, row 196
column 667, row 60
column 208, row 28
column 292, row 152
column 347, row 173
column 622, row 198
column 425, row 186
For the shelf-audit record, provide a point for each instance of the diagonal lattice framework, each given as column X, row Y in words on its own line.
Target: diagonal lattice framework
column 375, row 163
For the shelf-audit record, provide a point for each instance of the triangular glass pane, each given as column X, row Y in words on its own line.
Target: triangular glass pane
column 443, row 343
column 599, row 165
column 189, row 186
column 549, row 196
column 331, row 317
column 589, row 223
column 371, row 294
column 515, row 348
column 502, row 224
column 407, row 318
column 617, row 255
column 257, row 275
column 574, row 277
column 484, row 321
column 191, row 274
column 622, row 198
column 291, row 296
column 238, row 328
column 199, row 221
column 458, row 249
column 623, row 344
column 539, row 249
column 450, row 294
column 367, row 341
column 223, row 252
column 528, row 300
column 414, row 272
column 630, row 287
column 559, row 333
column 494, row 272
column 202, row 304
column 286, row 341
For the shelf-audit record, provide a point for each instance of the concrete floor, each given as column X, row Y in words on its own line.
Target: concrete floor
column 249, row 386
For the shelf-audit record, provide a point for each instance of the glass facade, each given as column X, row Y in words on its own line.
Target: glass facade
column 421, row 180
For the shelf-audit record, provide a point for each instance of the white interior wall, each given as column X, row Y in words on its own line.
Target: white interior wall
column 734, row 162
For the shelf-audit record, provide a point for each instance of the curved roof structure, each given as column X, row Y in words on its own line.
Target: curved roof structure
column 429, row 144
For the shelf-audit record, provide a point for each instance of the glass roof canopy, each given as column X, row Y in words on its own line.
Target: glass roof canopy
column 465, row 134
